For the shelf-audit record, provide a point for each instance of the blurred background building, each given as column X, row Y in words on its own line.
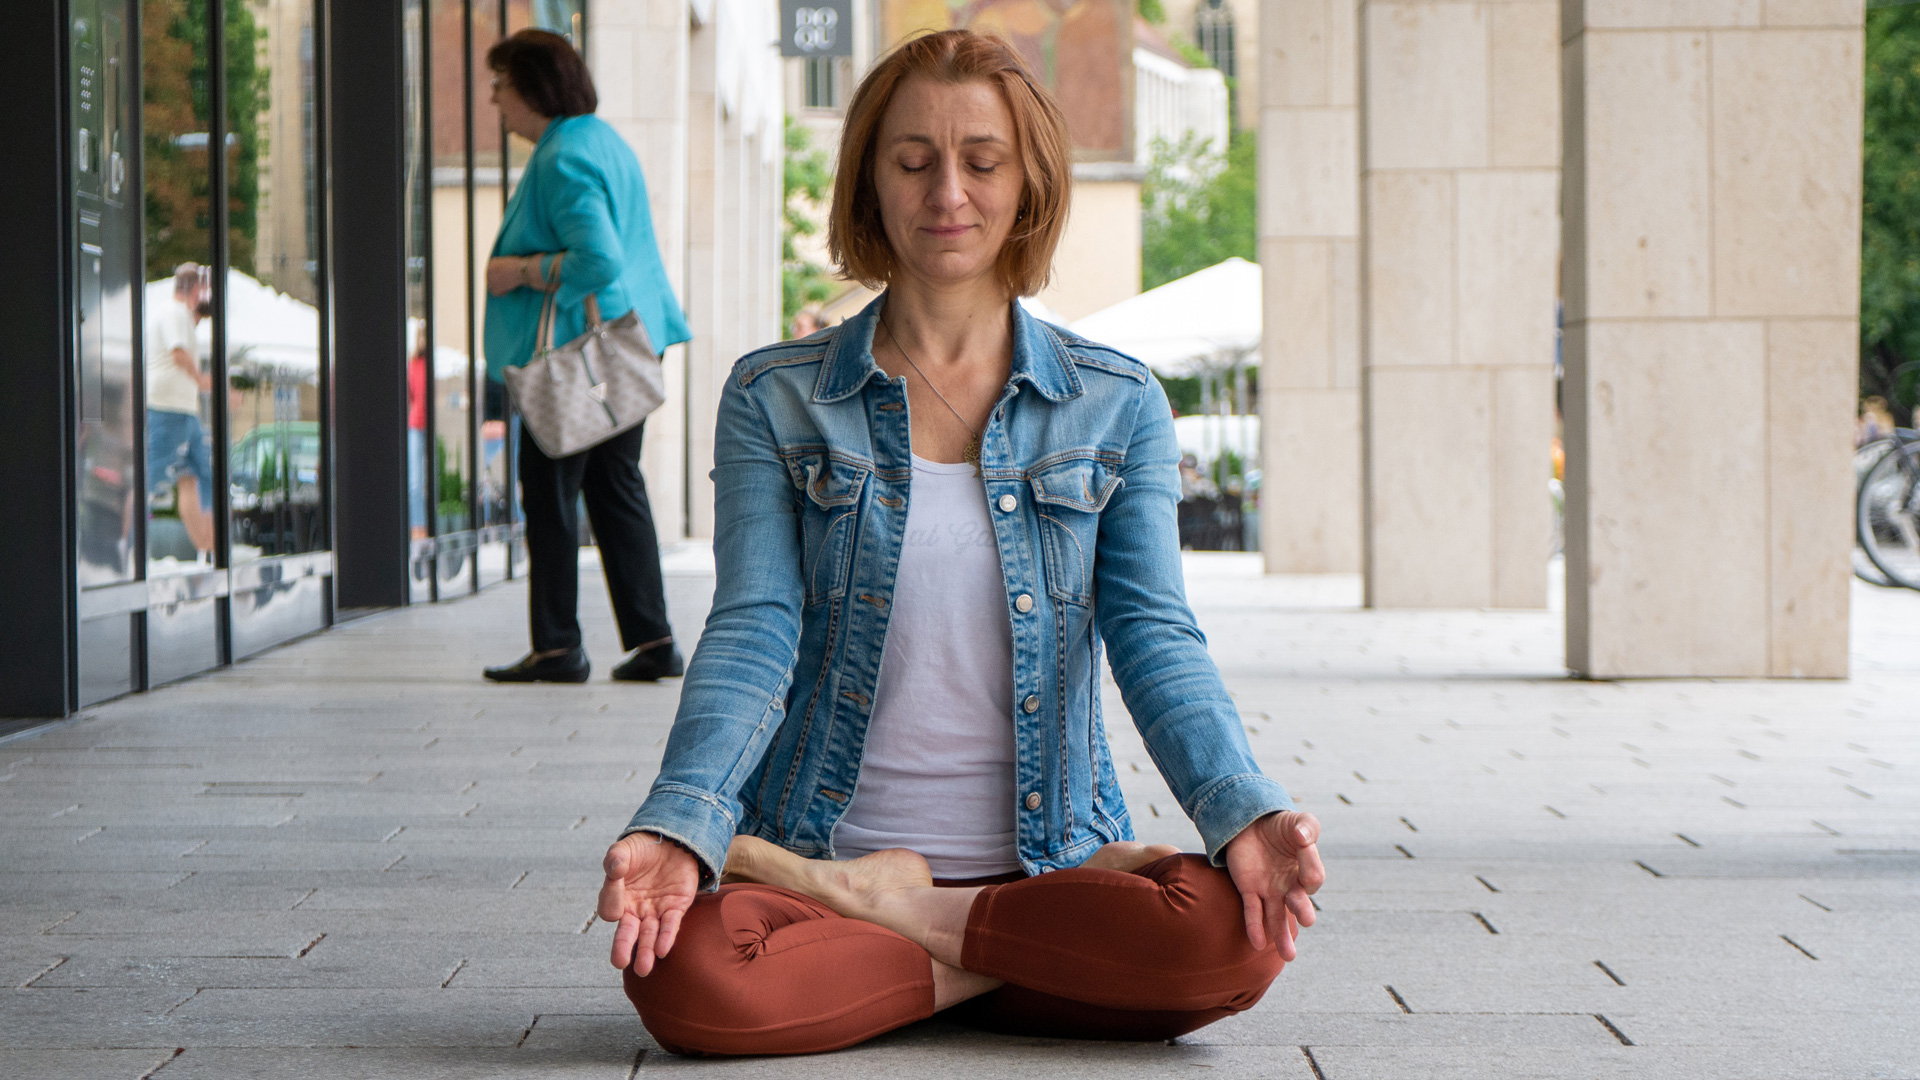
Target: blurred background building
column 1529, row 275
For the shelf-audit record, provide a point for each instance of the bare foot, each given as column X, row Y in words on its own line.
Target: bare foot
column 853, row 888
column 1127, row 856
column 891, row 888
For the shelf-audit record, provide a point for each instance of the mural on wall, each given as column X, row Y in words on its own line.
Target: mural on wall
column 1081, row 49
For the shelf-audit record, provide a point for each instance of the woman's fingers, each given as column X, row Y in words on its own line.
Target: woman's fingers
column 669, row 928
column 1300, row 906
column 643, row 944
column 613, row 899
column 625, row 933
column 1253, row 908
column 1313, row 873
column 1279, row 930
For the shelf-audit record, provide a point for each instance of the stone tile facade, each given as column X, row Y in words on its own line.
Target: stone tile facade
column 1712, row 240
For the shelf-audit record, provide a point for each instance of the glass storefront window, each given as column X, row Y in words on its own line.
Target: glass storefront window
column 496, row 477
column 272, row 313
column 451, row 409
column 176, row 112
column 419, row 335
column 106, row 208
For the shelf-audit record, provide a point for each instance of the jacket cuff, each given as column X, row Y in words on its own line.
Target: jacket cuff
column 696, row 820
column 1226, row 806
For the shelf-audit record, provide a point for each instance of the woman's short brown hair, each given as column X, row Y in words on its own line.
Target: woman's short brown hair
column 546, row 72
column 855, row 236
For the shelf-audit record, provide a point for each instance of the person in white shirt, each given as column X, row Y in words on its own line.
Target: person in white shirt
column 178, row 453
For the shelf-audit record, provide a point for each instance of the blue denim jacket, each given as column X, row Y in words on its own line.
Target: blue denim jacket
column 811, row 481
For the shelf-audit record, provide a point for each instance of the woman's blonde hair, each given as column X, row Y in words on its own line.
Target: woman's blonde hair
column 856, row 238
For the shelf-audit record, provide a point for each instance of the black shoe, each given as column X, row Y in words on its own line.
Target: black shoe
column 649, row 665
column 570, row 666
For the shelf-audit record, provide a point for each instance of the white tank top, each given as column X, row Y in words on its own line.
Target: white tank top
column 937, row 772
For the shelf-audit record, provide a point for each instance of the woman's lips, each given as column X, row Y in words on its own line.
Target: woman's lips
column 948, row 232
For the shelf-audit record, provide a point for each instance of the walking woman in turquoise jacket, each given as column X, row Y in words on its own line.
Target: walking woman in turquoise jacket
column 578, row 225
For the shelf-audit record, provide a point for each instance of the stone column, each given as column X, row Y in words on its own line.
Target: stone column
column 1310, row 266
column 705, row 287
column 771, row 162
column 1459, row 185
column 640, row 65
column 1712, row 223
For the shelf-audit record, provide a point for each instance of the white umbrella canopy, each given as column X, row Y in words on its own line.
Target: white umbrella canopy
column 264, row 326
column 1207, row 319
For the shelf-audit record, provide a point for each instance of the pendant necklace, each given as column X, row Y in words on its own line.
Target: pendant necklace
column 972, row 452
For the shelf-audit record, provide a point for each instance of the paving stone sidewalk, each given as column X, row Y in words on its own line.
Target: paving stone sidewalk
column 352, row 858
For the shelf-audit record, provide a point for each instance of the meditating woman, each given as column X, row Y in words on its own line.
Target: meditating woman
column 889, row 756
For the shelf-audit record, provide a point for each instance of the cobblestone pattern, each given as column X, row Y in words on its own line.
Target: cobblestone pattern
column 352, row 858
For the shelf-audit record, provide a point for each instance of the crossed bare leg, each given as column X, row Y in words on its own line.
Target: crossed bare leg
column 895, row 889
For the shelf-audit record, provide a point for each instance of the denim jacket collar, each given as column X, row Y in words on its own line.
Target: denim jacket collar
column 1039, row 358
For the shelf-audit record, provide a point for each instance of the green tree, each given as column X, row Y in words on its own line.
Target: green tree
column 177, row 101
column 1890, row 214
column 1197, row 207
column 808, row 180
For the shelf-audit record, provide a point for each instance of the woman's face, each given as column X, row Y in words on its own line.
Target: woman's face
column 949, row 178
column 519, row 116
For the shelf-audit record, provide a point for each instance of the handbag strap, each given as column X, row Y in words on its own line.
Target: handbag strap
column 543, row 338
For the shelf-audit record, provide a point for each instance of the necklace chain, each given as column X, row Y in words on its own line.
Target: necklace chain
column 972, row 451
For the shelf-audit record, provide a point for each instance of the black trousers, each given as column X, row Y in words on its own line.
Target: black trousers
column 616, row 497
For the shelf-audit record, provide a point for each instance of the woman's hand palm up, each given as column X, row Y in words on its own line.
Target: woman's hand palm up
column 1275, row 863
column 650, row 884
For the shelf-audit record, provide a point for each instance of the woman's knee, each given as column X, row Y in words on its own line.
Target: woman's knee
column 1207, row 917
column 758, row 970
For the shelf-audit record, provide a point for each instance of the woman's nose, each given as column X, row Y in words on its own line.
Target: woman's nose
column 948, row 193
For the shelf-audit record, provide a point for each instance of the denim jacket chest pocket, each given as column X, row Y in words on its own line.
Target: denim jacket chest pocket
column 827, row 499
column 1068, row 497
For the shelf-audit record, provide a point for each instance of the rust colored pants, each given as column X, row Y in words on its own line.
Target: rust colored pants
column 1093, row 954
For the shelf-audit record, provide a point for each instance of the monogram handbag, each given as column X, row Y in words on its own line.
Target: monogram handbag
column 592, row 388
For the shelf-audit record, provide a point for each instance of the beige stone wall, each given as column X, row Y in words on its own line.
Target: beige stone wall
column 1459, row 189
column 705, row 286
column 715, row 202
column 1097, row 263
column 1310, row 263
column 732, row 257
column 1712, row 272
column 640, row 68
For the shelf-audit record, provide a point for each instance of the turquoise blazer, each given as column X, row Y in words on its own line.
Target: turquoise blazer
column 581, row 193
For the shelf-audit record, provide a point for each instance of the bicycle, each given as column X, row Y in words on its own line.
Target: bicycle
column 1887, row 510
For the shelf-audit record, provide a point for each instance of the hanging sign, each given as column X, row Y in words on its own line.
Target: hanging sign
column 816, row 27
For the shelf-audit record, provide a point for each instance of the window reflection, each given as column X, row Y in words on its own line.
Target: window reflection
column 419, row 339
column 489, row 201
column 179, row 249
column 452, row 282
column 272, row 321
column 105, row 219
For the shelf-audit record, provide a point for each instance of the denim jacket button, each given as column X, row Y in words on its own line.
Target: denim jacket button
column 1023, row 603
column 1032, row 705
column 1007, row 503
column 1033, row 800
